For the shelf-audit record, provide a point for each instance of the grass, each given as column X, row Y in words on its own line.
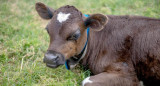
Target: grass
column 23, row 40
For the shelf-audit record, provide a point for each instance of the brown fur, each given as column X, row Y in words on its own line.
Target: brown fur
column 67, row 48
column 131, row 46
column 111, row 79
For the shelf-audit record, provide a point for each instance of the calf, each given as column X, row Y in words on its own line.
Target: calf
column 119, row 50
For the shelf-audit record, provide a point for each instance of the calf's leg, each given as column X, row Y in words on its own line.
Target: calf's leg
column 111, row 79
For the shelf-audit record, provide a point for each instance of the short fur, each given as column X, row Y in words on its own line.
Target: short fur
column 130, row 47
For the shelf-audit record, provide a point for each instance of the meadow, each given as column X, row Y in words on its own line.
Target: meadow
column 23, row 39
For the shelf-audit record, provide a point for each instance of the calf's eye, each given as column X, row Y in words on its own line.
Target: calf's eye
column 74, row 36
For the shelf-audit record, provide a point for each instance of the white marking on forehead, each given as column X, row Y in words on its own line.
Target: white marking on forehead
column 62, row 16
column 85, row 81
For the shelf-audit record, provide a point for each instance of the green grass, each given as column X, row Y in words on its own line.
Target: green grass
column 23, row 40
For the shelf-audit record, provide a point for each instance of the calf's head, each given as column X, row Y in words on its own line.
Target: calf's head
column 67, row 31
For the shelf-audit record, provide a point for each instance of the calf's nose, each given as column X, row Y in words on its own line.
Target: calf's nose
column 50, row 58
column 53, row 59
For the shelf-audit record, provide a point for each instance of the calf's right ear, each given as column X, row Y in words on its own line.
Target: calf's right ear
column 44, row 11
column 96, row 21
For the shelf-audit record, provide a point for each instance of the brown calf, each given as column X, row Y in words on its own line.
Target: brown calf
column 120, row 50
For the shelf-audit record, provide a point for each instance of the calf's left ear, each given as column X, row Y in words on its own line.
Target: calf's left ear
column 96, row 21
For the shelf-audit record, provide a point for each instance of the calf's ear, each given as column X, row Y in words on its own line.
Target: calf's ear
column 44, row 11
column 96, row 21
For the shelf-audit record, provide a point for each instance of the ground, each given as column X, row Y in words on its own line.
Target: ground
column 23, row 39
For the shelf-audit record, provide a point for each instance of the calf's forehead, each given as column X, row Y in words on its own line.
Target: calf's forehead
column 66, row 19
column 67, row 14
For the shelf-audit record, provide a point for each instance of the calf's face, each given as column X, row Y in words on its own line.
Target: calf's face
column 67, row 32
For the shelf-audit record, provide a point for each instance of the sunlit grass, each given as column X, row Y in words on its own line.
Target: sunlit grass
column 23, row 39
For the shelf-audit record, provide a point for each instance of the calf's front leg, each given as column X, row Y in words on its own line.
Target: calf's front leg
column 111, row 79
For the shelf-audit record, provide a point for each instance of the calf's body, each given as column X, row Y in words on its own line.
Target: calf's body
column 119, row 50
column 126, row 50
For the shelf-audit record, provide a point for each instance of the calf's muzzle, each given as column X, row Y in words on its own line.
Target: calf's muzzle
column 53, row 59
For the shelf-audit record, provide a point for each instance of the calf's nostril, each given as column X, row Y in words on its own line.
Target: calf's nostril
column 56, row 58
